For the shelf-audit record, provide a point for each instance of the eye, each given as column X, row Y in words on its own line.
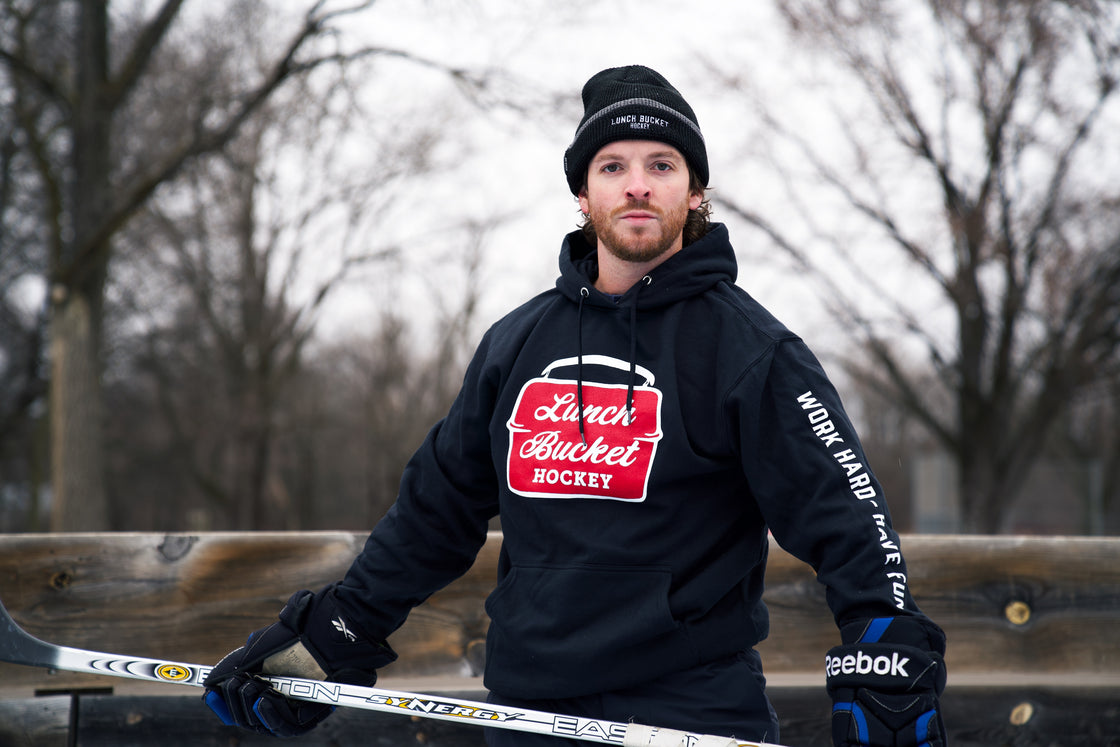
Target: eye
column 662, row 166
column 611, row 168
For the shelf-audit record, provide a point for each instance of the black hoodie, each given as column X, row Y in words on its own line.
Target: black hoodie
column 634, row 547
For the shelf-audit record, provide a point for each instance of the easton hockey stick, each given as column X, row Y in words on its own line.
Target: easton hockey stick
column 17, row 646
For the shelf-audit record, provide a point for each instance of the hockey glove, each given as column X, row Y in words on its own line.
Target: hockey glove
column 312, row 640
column 885, row 682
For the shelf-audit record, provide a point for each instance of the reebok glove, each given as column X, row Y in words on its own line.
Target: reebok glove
column 886, row 684
column 313, row 640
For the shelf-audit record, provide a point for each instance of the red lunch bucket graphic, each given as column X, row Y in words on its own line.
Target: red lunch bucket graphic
column 548, row 459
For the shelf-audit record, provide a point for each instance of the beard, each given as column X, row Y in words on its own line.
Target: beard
column 643, row 244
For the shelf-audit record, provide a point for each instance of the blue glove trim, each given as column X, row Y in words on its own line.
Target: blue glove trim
column 257, row 710
column 857, row 716
column 875, row 629
column 218, row 705
column 922, row 727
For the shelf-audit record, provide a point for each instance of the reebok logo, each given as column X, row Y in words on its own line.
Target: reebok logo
column 861, row 663
column 340, row 625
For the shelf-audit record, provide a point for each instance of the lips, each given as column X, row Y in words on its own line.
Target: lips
column 638, row 216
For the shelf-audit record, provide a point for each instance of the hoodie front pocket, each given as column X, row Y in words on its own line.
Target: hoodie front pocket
column 598, row 625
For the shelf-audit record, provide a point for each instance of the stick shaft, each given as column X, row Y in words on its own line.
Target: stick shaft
column 19, row 647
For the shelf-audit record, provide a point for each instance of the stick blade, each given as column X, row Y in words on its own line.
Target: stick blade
column 17, row 646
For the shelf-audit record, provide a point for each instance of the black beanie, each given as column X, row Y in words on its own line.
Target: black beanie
column 633, row 103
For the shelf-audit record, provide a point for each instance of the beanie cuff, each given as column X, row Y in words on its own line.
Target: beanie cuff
column 642, row 103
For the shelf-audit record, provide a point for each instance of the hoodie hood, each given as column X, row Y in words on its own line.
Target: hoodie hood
column 689, row 272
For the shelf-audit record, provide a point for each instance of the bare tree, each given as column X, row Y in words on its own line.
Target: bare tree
column 385, row 391
column 22, row 393
column 23, row 382
column 96, row 157
column 220, row 283
column 1001, row 118
column 318, row 442
column 1087, row 441
column 239, row 261
column 23, row 317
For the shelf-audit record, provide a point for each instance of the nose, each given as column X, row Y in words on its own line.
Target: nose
column 637, row 187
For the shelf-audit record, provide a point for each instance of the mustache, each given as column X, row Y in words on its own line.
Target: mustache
column 632, row 204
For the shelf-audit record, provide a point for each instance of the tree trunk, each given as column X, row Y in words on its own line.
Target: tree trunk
column 79, row 500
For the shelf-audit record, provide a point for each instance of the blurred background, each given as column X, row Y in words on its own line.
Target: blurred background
column 247, row 248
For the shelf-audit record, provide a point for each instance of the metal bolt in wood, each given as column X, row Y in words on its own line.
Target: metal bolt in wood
column 1018, row 613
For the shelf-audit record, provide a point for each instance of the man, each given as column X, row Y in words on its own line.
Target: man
column 639, row 428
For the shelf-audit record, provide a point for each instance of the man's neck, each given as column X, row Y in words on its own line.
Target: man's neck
column 616, row 276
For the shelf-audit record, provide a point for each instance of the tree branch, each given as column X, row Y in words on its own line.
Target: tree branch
column 136, row 61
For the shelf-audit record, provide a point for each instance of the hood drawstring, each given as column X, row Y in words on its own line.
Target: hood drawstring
column 583, row 294
column 634, row 347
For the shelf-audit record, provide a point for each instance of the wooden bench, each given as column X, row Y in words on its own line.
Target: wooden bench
column 1033, row 626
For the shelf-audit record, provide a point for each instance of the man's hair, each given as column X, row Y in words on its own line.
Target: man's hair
column 696, row 225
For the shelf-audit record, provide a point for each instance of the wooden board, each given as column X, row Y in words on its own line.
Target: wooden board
column 195, row 597
column 1023, row 605
column 975, row 717
column 1018, row 607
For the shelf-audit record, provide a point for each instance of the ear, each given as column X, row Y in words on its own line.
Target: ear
column 695, row 199
column 584, row 203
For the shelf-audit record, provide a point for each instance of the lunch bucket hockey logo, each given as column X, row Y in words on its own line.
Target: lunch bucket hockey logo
column 547, row 458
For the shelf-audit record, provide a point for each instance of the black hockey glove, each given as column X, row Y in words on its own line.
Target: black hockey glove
column 885, row 682
column 312, row 640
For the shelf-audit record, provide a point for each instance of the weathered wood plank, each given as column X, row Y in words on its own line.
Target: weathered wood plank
column 193, row 598
column 124, row 721
column 35, row 722
column 1010, row 605
column 981, row 716
column 1007, row 604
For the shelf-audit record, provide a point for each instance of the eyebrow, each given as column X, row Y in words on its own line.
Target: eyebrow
column 657, row 155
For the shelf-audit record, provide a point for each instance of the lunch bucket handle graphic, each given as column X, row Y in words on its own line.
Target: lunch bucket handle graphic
column 601, row 360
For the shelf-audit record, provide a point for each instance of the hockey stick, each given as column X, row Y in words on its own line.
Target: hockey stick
column 17, row 646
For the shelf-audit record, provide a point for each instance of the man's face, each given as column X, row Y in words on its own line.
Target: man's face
column 637, row 198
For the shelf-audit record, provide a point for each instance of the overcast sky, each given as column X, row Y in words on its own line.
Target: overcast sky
column 546, row 52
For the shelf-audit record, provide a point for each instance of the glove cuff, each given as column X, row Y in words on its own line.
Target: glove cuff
column 910, row 630
column 343, row 651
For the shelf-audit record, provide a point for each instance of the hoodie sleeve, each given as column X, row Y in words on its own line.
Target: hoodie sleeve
column 433, row 532
column 814, row 486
